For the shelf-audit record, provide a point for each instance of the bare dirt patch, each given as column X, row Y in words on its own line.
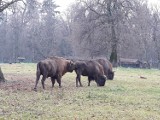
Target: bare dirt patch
column 18, row 82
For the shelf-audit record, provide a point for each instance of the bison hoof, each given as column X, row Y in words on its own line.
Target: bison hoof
column 35, row 89
column 79, row 86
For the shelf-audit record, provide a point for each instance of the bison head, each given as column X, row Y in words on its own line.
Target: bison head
column 101, row 81
column 70, row 66
column 110, row 75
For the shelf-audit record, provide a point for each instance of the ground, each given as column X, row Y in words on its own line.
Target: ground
column 134, row 94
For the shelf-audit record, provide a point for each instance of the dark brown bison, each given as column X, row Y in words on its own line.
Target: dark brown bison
column 54, row 67
column 107, row 67
column 89, row 68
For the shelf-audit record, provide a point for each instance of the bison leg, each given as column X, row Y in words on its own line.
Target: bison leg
column 89, row 80
column 37, row 79
column 59, row 81
column 53, row 81
column 96, row 80
column 43, row 79
column 78, row 79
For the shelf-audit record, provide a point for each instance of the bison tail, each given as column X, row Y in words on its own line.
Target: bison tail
column 38, row 71
column 37, row 76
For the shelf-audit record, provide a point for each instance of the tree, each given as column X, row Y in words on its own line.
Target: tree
column 90, row 29
column 48, row 16
column 155, row 36
column 102, row 20
column 4, row 5
column 108, row 27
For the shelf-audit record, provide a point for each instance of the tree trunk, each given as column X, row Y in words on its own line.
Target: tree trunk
column 113, row 57
column 112, row 22
column 2, row 79
column 4, row 5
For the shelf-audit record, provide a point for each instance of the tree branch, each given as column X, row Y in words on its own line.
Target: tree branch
column 6, row 5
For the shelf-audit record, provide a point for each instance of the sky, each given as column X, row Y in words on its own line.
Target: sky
column 65, row 3
column 154, row 2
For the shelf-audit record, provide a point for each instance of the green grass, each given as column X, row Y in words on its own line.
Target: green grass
column 127, row 97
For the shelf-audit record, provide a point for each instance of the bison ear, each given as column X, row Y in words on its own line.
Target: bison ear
column 104, row 76
column 71, row 62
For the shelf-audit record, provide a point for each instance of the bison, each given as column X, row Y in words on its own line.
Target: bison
column 89, row 68
column 107, row 67
column 54, row 67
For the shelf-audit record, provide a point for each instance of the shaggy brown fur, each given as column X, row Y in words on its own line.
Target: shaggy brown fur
column 54, row 67
column 89, row 68
column 107, row 67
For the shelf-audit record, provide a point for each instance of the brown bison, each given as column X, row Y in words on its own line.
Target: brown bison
column 54, row 67
column 92, row 69
column 107, row 67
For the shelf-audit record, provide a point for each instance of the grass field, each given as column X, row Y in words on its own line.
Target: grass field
column 134, row 94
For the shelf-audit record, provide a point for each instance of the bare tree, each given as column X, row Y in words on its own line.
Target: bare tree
column 156, row 35
column 4, row 5
column 91, row 28
column 102, row 16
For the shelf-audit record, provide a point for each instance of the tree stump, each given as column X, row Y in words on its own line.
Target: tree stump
column 2, row 79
